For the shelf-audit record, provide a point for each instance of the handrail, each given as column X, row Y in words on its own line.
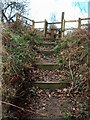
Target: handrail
column 71, row 21
column 85, row 24
column 85, row 18
column 18, row 17
column 39, row 21
column 54, row 22
column 25, row 17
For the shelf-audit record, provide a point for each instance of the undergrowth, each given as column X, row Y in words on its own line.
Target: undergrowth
column 19, row 51
column 74, row 57
column 18, row 65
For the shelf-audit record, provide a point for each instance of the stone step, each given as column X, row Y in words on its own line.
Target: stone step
column 52, row 85
column 48, row 66
column 48, row 52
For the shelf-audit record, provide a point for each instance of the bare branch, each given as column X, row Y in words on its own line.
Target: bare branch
column 10, row 8
column 23, row 109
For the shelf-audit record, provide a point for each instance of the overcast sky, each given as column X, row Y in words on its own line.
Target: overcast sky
column 43, row 9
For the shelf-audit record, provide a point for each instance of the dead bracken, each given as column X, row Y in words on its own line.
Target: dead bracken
column 21, row 54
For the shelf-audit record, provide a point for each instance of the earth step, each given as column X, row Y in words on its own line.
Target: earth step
column 48, row 52
column 52, row 85
column 48, row 66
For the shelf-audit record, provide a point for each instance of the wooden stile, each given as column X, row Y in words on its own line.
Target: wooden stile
column 63, row 21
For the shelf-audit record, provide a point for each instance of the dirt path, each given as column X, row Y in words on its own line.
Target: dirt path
column 50, row 102
column 56, row 103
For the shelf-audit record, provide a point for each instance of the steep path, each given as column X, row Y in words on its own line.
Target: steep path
column 51, row 87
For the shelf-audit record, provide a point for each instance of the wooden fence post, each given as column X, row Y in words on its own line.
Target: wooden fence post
column 2, row 19
column 17, row 20
column 62, row 25
column 17, row 17
column 33, row 25
column 45, row 27
column 79, row 23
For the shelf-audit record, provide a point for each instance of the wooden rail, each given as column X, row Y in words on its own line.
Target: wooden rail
column 39, row 22
column 54, row 22
column 71, row 21
column 24, row 17
column 62, row 23
column 18, row 16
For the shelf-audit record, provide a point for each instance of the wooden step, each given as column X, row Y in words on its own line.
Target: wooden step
column 51, row 39
column 48, row 66
column 52, row 85
column 48, row 52
column 51, row 118
column 47, row 43
column 39, row 118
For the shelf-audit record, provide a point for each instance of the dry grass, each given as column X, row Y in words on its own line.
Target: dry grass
column 75, row 69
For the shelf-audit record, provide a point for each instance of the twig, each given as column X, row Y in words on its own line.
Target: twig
column 23, row 109
column 79, row 86
column 72, row 85
column 70, row 68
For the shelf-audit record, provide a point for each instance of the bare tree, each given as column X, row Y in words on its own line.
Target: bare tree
column 12, row 7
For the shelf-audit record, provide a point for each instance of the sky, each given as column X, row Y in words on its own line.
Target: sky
column 43, row 9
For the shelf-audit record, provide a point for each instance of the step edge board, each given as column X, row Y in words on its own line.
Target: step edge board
column 41, row 63
column 43, row 82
